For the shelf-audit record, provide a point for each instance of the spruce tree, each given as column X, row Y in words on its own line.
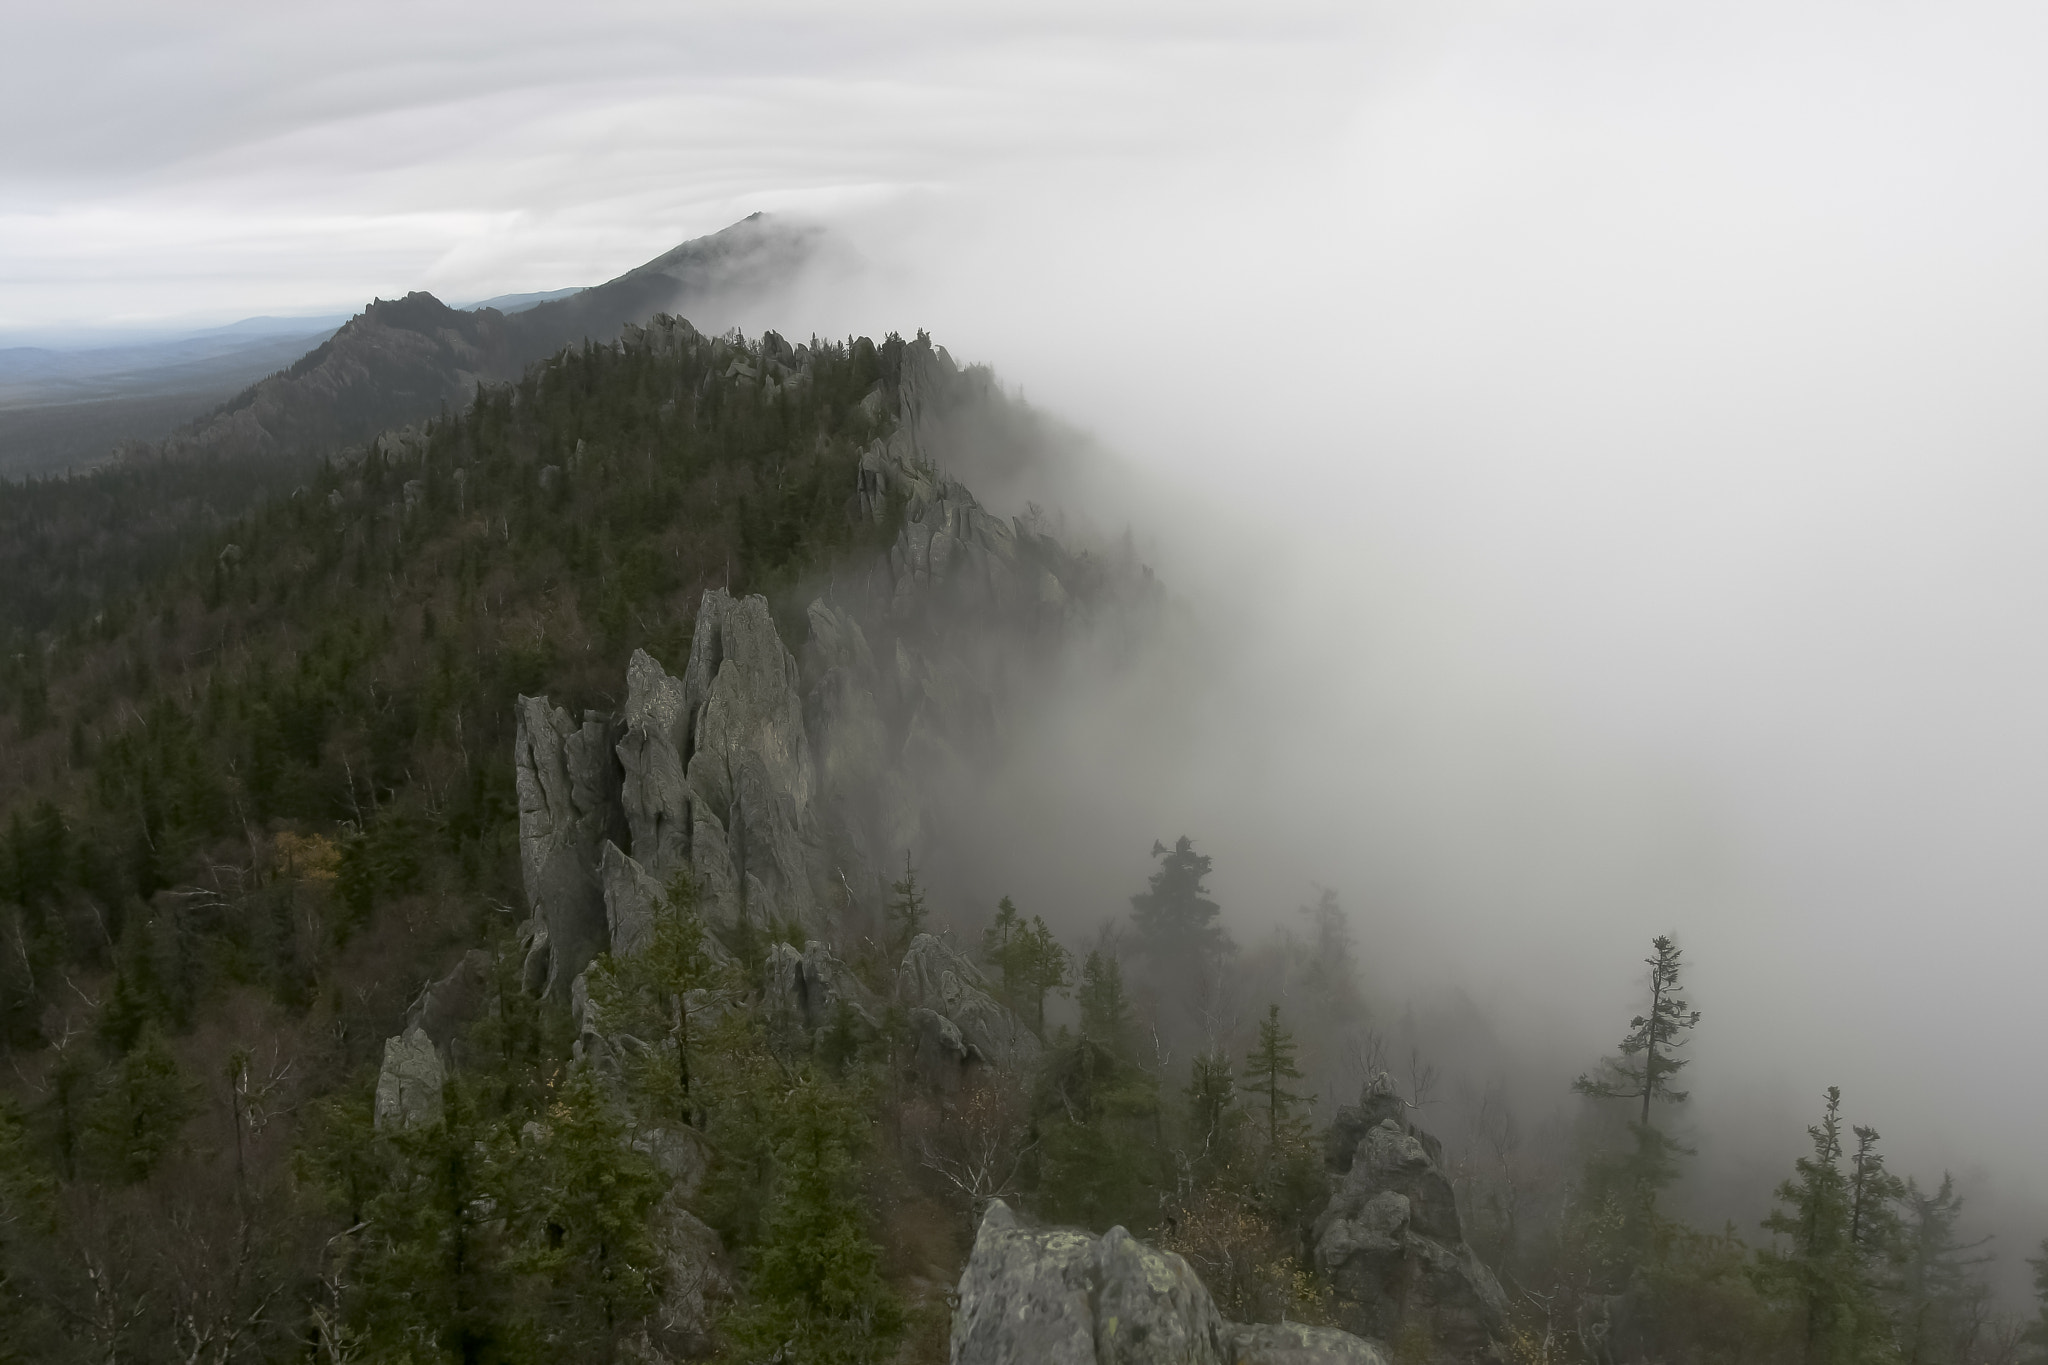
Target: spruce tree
column 648, row 993
column 1174, row 917
column 1268, row 1068
column 817, row 1286
column 584, row 1198
column 1105, row 1008
column 1042, row 965
column 2037, row 1326
column 999, row 947
column 1096, row 1156
column 1823, row 1272
column 1936, row 1290
column 1649, row 1059
column 132, row 1124
column 907, row 913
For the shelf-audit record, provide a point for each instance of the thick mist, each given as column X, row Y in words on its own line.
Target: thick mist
column 1598, row 478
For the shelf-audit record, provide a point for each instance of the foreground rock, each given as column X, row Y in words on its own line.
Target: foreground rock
column 1056, row 1296
column 1391, row 1243
column 1294, row 1343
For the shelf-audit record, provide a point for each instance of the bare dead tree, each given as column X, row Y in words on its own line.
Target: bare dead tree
column 977, row 1145
column 1413, row 1078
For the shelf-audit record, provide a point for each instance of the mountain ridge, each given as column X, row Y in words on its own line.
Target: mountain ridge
column 402, row 360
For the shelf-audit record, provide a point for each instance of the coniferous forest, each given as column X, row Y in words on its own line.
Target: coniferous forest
column 282, row 1084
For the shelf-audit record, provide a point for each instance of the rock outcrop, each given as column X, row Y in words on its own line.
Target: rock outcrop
column 444, row 1007
column 1391, row 1243
column 944, row 983
column 806, row 990
column 1061, row 1297
column 409, row 1082
column 695, row 1278
column 1055, row 1296
column 1294, row 1343
column 787, row 783
column 568, row 784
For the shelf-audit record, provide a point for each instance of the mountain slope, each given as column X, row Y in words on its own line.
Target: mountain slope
column 72, row 546
column 401, row 360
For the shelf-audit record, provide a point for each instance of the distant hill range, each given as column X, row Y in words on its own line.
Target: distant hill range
column 397, row 361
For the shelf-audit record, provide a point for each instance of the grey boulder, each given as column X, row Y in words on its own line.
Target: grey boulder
column 1294, row 1343
column 409, row 1082
column 936, row 978
column 1391, row 1243
column 1060, row 1297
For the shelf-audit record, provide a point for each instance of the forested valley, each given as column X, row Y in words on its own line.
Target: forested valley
column 300, row 1068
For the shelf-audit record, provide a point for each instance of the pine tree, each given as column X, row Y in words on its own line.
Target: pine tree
column 584, row 1198
column 1042, row 966
column 134, row 1121
column 2037, row 1328
column 1268, row 1068
column 1331, row 973
column 1174, row 917
column 1654, row 1038
column 907, row 911
column 1105, row 1008
column 649, row 993
column 818, row 1291
column 1825, row 1273
column 1649, row 1059
column 1936, row 1292
column 1096, row 1155
column 1000, row 947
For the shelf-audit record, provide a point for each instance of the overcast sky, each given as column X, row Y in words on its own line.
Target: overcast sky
column 1631, row 414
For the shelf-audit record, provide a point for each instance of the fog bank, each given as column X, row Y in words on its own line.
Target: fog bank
column 1602, row 467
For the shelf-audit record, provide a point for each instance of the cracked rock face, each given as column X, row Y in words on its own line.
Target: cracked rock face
column 409, row 1082
column 1057, row 1296
column 1391, row 1242
column 804, row 990
column 1294, row 1343
column 568, row 805
column 788, row 791
column 753, row 842
column 935, row 978
column 1061, row 1297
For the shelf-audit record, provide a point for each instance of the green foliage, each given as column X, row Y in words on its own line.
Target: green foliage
column 383, row 860
column 27, row 1218
column 1029, row 960
column 1330, row 975
column 2037, row 1325
column 1824, row 1268
column 508, row 1232
column 134, row 1120
column 1096, row 1125
column 1174, row 917
column 1106, row 1017
column 907, row 912
column 817, row 1293
column 1649, row 1052
column 1628, row 1184
column 1268, row 1068
column 1937, row 1295
column 652, row 995
column 581, row 1197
